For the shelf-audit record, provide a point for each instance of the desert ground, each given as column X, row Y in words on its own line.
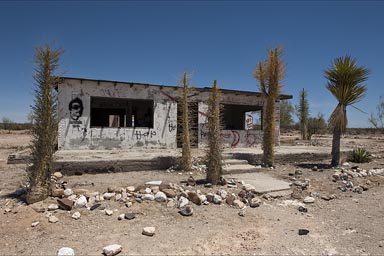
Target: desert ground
column 341, row 220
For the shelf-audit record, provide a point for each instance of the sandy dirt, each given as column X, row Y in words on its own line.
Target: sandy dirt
column 350, row 224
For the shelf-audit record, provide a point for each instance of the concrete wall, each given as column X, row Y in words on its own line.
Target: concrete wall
column 78, row 134
column 75, row 131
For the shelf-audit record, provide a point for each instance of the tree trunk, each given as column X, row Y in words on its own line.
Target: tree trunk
column 336, row 147
column 269, row 132
column 37, row 192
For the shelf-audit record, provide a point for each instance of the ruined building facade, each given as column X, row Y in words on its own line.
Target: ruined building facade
column 98, row 114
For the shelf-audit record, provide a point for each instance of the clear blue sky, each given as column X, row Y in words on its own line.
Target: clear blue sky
column 156, row 41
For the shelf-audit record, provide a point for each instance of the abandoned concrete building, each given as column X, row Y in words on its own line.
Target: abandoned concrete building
column 99, row 114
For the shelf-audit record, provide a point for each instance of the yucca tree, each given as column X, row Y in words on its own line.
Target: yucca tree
column 302, row 110
column 44, row 128
column 270, row 74
column 345, row 82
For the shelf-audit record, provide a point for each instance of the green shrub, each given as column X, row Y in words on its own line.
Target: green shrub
column 359, row 155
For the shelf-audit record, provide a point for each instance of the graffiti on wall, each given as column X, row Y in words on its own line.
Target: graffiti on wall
column 76, row 109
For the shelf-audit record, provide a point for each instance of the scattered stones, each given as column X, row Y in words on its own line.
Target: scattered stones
column 34, row 224
column 53, row 219
column 302, row 209
column 112, row 249
column 149, row 231
column 108, row 196
column 65, row 251
column 65, row 204
column 309, row 200
column 238, row 204
column 130, row 189
column 130, row 216
column 195, row 198
column 53, row 207
column 76, row 215
column 108, row 212
column 148, row 197
column 255, row 202
column 182, row 202
column 80, row 202
column 57, row 192
column 222, row 193
column 303, row 232
column 230, row 198
column 169, row 192
column 68, row 192
column 217, row 199
column 154, row 183
column 95, row 206
column 186, row 210
column 58, row 175
column 160, row 197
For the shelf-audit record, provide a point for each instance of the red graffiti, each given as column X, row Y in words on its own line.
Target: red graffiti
column 203, row 114
column 236, row 138
column 166, row 94
column 251, row 139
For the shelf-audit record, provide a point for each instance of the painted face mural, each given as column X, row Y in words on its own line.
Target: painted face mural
column 76, row 109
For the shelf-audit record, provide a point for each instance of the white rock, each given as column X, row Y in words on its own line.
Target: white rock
column 121, row 216
column 203, row 198
column 149, row 197
column 91, row 201
column 217, row 199
column 255, row 202
column 309, row 200
column 147, row 190
column 68, row 192
column 131, row 189
column 80, row 202
column 53, row 207
column 76, row 215
column 108, row 212
column 182, row 202
column 118, row 197
column 112, row 249
column 58, row 175
column 53, row 219
column 124, row 195
column 160, row 197
column 154, row 183
column 108, row 196
column 34, row 224
column 222, row 193
column 65, row 251
column 171, row 203
column 149, row 231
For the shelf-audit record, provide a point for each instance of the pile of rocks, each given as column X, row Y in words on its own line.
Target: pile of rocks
column 182, row 197
column 346, row 176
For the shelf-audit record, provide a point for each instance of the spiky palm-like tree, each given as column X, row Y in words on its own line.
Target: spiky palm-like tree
column 345, row 82
column 215, row 168
column 186, row 155
column 269, row 74
column 44, row 128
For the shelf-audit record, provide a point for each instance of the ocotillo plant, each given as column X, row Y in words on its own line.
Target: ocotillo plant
column 44, row 128
column 215, row 169
column 270, row 73
column 186, row 155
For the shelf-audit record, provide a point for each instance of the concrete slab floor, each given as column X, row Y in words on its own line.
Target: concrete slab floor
column 262, row 182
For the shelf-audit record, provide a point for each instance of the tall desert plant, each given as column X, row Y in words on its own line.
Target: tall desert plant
column 302, row 111
column 214, row 167
column 186, row 155
column 44, row 128
column 345, row 82
column 270, row 74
